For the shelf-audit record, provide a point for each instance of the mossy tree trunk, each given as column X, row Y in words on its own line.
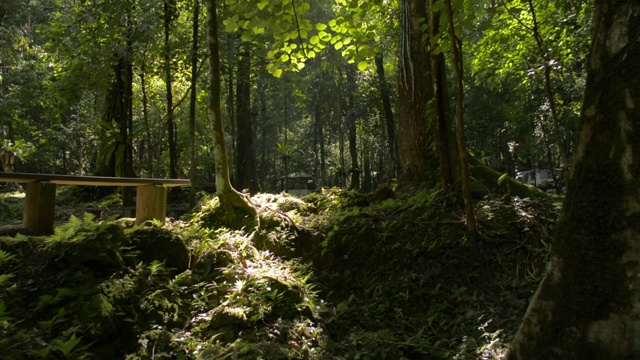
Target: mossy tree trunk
column 588, row 304
column 238, row 209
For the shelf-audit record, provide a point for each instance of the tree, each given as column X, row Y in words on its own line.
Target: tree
column 192, row 101
column 587, row 305
column 230, row 199
column 415, row 89
column 465, row 182
column 388, row 113
column 246, row 176
column 170, row 12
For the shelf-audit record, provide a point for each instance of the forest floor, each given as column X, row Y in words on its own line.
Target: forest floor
column 328, row 276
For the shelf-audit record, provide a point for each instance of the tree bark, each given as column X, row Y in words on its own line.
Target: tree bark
column 149, row 149
column 443, row 130
column 458, row 70
column 169, row 13
column 388, row 115
column 351, row 127
column 230, row 199
column 192, row 104
column 588, row 304
column 246, row 177
column 414, row 91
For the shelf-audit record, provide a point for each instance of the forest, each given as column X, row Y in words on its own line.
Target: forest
column 369, row 179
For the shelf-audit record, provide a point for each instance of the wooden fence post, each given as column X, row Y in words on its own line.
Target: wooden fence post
column 39, row 207
column 151, row 203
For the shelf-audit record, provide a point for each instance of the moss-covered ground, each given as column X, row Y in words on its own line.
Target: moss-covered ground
column 329, row 276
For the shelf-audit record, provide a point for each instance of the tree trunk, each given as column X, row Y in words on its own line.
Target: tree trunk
column 414, row 91
column 230, row 199
column 388, row 115
column 169, row 13
column 192, row 104
column 588, row 304
column 351, row 127
column 458, row 70
column 444, row 135
column 149, row 150
column 127, row 166
column 245, row 151
column 341, row 179
column 366, row 177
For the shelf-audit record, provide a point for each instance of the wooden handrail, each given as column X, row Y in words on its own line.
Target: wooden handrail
column 151, row 195
column 89, row 180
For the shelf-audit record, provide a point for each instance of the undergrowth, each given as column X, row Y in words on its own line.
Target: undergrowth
column 329, row 276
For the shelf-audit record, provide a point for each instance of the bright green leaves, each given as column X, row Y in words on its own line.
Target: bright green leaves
column 262, row 4
column 285, row 27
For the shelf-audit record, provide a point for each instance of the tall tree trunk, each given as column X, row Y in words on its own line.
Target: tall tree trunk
column 588, row 304
column 316, row 136
column 149, row 150
column 458, row 70
column 339, row 115
column 443, row 130
column 192, row 104
column 366, row 177
column 414, row 91
column 128, row 171
column 264, row 166
column 230, row 199
column 388, row 115
column 351, row 127
column 169, row 13
column 319, row 141
column 286, row 154
column 114, row 156
column 246, row 177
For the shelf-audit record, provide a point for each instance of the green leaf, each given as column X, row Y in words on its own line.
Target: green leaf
column 502, row 178
column 321, row 27
column 362, row 66
column 277, row 73
column 263, row 4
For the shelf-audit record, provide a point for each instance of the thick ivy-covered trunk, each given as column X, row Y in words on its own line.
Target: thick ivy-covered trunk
column 414, row 91
column 588, row 304
column 115, row 155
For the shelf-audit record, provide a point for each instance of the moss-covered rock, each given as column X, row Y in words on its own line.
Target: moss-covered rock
column 153, row 243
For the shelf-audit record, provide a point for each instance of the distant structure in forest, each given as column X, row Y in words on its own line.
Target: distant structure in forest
column 297, row 183
column 541, row 178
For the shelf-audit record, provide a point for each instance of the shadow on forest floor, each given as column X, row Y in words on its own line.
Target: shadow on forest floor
column 330, row 276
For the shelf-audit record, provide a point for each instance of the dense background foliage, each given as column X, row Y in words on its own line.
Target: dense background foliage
column 65, row 106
